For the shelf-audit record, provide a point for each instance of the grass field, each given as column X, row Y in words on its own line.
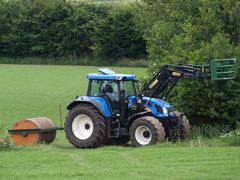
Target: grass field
column 59, row 162
column 31, row 91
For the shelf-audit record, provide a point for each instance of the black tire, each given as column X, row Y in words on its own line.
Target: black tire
column 153, row 125
column 183, row 127
column 98, row 135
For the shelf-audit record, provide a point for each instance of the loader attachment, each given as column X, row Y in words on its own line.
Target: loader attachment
column 222, row 69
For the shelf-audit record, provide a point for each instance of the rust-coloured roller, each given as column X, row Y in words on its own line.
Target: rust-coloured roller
column 31, row 131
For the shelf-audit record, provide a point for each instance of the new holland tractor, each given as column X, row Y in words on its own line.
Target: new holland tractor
column 114, row 111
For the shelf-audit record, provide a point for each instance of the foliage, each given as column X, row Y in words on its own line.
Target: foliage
column 195, row 32
column 208, row 131
column 5, row 141
column 117, row 34
column 61, row 28
column 233, row 137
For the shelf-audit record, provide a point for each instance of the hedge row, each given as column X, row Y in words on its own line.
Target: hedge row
column 63, row 28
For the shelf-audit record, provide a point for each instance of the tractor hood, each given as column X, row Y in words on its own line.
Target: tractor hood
column 158, row 107
column 158, row 102
column 152, row 101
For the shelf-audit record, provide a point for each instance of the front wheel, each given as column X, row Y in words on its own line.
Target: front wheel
column 183, row 126
column 146, row 130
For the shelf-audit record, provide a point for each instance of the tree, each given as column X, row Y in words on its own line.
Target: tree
column 195, row 32
column 118, row 36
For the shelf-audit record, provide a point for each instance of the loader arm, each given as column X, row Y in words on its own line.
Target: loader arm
column 168, row 76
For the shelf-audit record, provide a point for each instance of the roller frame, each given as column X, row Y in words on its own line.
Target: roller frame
column 28, row 131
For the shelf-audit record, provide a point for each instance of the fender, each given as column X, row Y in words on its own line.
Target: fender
column 137, row 115
column 97, row 102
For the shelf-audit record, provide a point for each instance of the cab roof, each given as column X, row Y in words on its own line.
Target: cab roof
column 108, row 74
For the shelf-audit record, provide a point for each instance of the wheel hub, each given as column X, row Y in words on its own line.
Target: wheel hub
column 143, row 135
column 87, row 126
column 146, row 134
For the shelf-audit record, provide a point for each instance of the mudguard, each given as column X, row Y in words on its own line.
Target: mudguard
column 99, row 102
column 137, row 115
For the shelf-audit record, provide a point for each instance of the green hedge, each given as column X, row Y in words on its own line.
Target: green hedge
column 63, row 28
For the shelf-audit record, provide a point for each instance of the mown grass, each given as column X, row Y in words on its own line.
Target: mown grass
column 31, row 91
column 156, row 162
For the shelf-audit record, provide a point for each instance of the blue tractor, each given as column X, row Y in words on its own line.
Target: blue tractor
column 115, row 111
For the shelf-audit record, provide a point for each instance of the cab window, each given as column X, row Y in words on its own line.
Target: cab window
column 129, row 88
column 98, row 87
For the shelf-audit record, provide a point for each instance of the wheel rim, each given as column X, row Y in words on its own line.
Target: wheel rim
column 82, row 126
column 143, row 135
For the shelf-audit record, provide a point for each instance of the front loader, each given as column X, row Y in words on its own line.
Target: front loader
column 114, row 112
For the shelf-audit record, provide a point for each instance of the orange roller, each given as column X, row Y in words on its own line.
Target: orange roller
column 27, row 132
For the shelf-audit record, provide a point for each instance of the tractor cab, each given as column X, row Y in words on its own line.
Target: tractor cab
column 112, row 87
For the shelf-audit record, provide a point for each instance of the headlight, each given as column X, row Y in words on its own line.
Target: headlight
column 170, row 112
column 165, row 111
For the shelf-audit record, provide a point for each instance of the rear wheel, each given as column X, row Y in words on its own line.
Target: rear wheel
column 85, row 127
column 146, row 130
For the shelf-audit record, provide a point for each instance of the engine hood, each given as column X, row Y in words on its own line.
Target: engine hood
column 152, row 101
column 159, row 108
